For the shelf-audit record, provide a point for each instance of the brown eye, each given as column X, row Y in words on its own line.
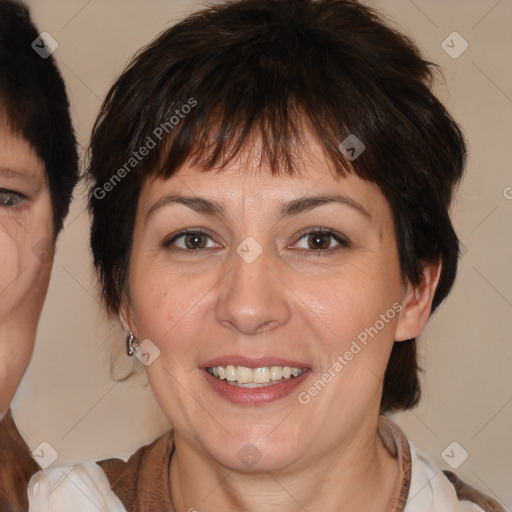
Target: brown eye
column 195, row 240
column 190, row 241
column 322, row 240
column 319, row 241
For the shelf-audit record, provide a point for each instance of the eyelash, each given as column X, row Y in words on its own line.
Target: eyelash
column 19, row 198
column 343, row 241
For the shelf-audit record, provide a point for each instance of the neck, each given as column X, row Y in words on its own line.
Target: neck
column 361, row 475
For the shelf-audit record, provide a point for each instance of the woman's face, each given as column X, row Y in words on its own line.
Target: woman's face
column 26, row 255
column 275, row 273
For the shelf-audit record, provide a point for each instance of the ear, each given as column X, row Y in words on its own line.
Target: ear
column 417, row 304
column 126, row 316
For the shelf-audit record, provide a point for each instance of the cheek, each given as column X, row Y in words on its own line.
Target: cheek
column 9, row 259
column 167, row 305
column 348, row 301
column 10, row 266
column 26, row 255
column 352, row 317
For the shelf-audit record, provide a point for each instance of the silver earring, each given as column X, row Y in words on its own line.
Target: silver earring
column 132, row 344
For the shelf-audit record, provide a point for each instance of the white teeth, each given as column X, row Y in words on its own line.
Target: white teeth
column 254, row 377
column 260, row 375
column 243, row 375
column 276, row 373
column 230, row 373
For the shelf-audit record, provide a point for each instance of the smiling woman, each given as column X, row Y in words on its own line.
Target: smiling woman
column 289, row 237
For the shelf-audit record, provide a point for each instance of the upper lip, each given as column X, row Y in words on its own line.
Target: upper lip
column 257, row 362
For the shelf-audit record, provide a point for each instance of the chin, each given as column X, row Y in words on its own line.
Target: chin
column 252, row 452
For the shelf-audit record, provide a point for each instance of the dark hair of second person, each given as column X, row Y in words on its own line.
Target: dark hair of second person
column 34, row 101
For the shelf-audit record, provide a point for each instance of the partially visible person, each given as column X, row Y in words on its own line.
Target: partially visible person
column 38, row 171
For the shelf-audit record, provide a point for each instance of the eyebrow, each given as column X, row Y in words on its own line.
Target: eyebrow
column 288, row 209
column 198, row 204
column 307, row 203
column 11, row 173
column 8, row 172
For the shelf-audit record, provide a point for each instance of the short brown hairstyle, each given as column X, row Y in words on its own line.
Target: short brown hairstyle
column 34, row 101
column 276, row 70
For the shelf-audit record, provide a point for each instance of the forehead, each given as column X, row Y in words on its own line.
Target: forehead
column 244, row 182
column 18, row 160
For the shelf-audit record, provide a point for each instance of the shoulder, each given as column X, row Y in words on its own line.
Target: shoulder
column 468, row 493
column 432, row 489
column 16, row 466
column 144, row 477
column 81, row 488
column 111, row 485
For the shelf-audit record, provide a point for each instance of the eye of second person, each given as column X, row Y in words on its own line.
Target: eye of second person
column 8, row 198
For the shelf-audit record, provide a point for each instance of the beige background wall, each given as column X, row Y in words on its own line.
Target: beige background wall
column 67, row 397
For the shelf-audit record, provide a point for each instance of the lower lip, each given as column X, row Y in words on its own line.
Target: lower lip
column 253, row 396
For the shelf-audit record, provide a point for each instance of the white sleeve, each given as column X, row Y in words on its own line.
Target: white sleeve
column 430, row 490
column 80, row 488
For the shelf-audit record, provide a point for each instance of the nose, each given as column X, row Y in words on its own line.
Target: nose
column 254, row 297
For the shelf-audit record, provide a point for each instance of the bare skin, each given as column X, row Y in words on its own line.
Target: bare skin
column 304, row 298
column 27, row 243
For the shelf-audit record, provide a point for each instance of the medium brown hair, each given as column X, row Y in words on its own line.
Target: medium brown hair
column 277, row 70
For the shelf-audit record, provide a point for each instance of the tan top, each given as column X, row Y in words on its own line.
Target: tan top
column 16, row 467
column 143, row 484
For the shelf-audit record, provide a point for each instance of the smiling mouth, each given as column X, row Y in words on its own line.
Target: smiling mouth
column 263, row 376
